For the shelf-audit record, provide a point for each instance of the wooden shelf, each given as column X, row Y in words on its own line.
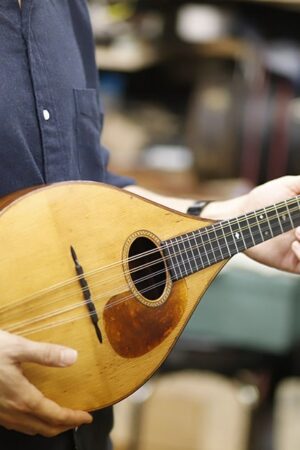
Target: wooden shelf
column 127, row 58
column 222, row 48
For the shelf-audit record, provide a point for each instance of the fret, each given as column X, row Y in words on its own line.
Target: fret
column 195, row 246
column 293, row 208
column 264, row 224
column 297, row 200
column 190, row 253
column 269, row 220
column 296, row 213
column 255, row 229
column 179, row 258
column 245, row 231
column 174, row 257
column 288, row 210
column 285, row 222
column 217, row 252
column 278, row 219
column 242, row 231
column 222, row 248
column 185, row 252
column 208, row 246
column 298, row 205
column 227, row 231
column 205, row 257
column 274, row 221
column 237, row 235
column 220, row 236
column 166, row 250
column 250, row 231
column 257, row 214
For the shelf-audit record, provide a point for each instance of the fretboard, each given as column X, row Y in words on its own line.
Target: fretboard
column 196, row 250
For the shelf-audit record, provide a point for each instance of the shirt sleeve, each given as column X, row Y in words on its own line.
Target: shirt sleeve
column 111, row 178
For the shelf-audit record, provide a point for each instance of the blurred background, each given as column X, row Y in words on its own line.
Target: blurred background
column 203, row 100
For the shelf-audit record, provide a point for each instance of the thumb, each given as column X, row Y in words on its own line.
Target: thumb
column 43, row 353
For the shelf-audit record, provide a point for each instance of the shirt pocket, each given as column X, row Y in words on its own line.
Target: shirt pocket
column 88, row 124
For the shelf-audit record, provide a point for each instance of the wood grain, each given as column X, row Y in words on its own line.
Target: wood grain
column 36, row 232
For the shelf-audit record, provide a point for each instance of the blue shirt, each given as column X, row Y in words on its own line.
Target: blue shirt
column 50, row 110
column 50, row 125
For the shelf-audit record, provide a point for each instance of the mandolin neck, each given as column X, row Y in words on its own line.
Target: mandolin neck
column 196, row 250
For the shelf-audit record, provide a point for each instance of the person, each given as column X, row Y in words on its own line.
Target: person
column 50, row 124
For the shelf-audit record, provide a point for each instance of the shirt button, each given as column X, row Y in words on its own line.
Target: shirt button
column 46, row 114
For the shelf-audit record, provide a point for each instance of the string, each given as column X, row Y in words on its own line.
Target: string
column 156, row 250
column 85, row 315
column 88, row 314
column 214, row 228
column 96, row 299
column 145, row 266
column 69, row 308
column 80, row 304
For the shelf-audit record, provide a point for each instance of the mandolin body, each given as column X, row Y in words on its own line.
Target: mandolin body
column 41, row 297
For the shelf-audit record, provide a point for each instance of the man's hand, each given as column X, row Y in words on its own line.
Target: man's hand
column 282, row 252
column 23, row 407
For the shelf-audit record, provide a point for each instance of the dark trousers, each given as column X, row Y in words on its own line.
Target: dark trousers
column 88, row 437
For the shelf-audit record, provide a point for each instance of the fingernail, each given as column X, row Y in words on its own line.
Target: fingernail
column 68, row 356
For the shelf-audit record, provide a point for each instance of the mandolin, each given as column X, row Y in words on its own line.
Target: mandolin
column 114, row 276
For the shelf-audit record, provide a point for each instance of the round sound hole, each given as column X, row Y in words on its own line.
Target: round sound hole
column 147, row 268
